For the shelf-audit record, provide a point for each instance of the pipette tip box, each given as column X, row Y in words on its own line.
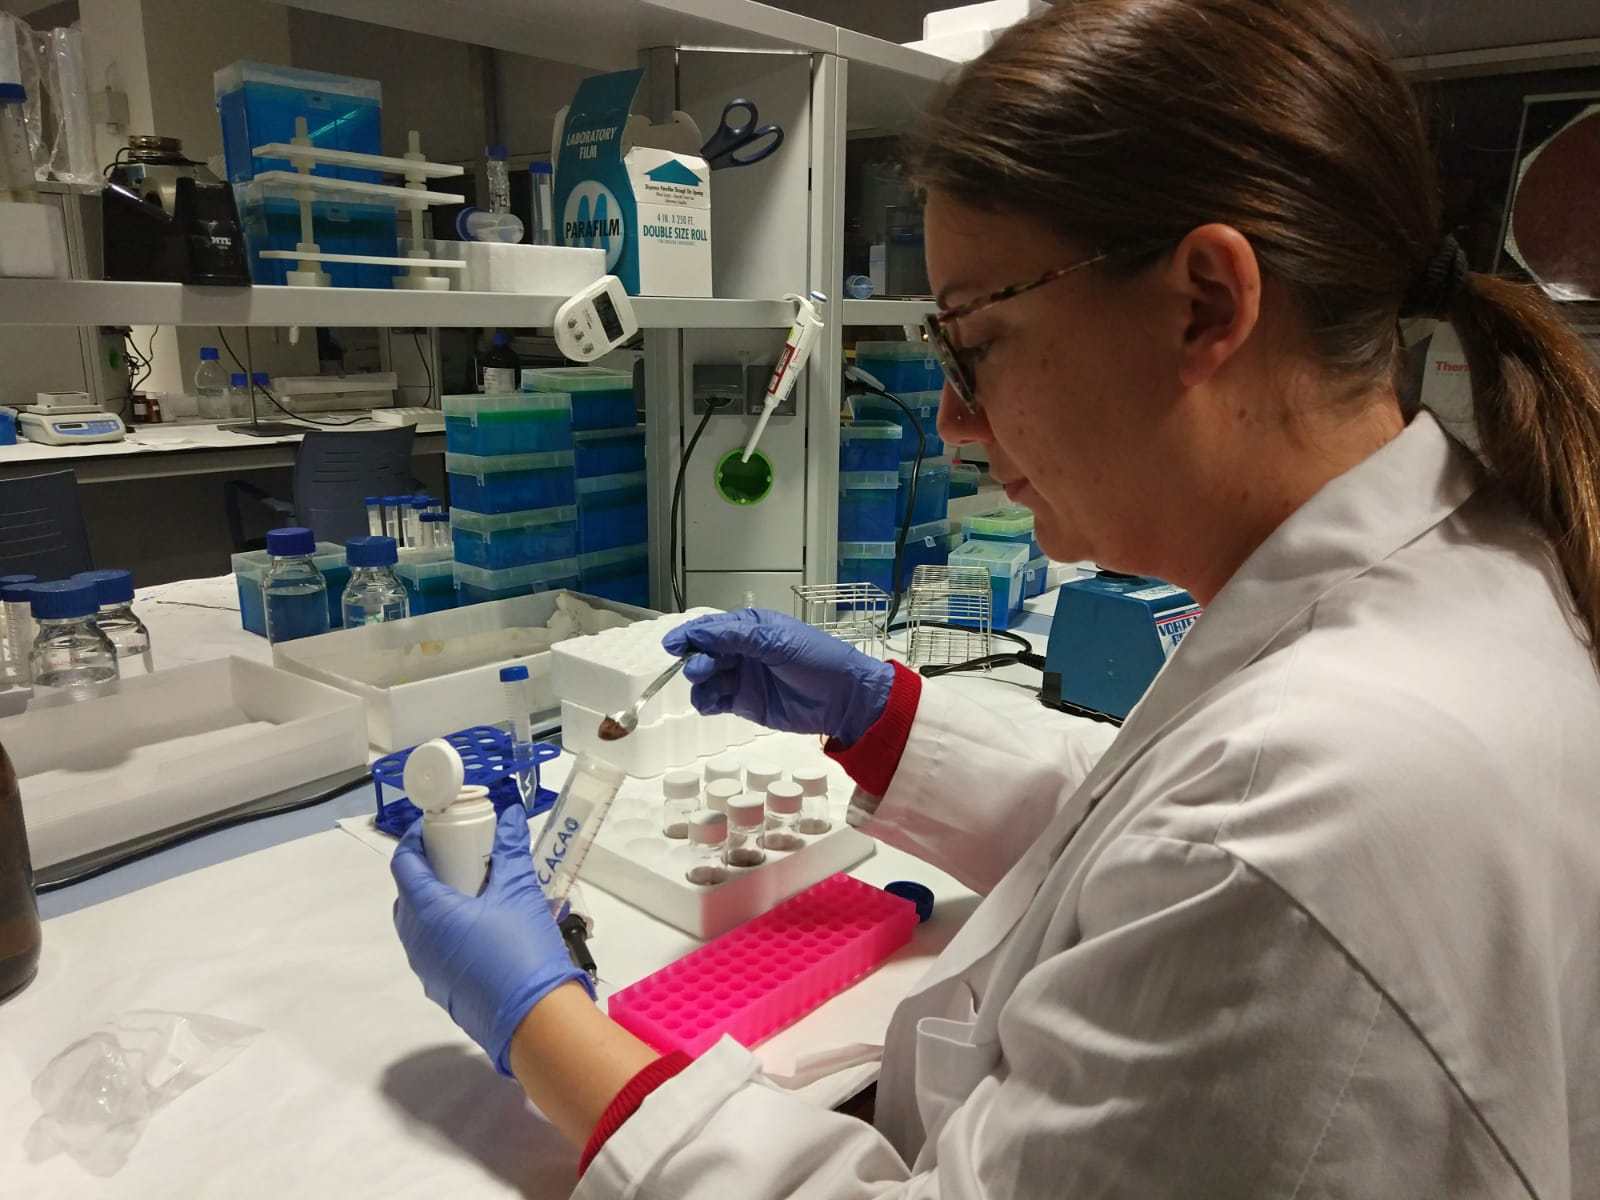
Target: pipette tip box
column 768, row 973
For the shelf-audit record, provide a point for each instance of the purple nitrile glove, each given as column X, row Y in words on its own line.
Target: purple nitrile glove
column 781, row 673
column 485, row 959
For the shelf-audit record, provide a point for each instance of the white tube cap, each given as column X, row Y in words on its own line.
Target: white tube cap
column 760, row 774
column 813, row 781
column 748, row 811
column 680, row 785
column 784, row 797
column 707, row 827
column 724, row 766
column 720, row 792
column 433, row 776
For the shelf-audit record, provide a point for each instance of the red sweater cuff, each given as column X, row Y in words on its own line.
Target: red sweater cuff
column 626, row 1102
column 874, row 758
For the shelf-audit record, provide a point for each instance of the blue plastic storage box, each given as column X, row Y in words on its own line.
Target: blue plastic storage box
column 622, row 574
column 869, row 446
column 867, row 504
column 926, row 545
column 1035, row 578
column 613, row 510
column 964, row 479
column 505, row 483
column 476, row 585
column 1008, row 523
column 608, row 451
column 508, row 423
column 251, row 567
column 1006, row 565
column 933, row 492
column 867, row 562
column 258, row 103
column 926, row 407
column 901, row 366
column 430, row 586
column 601, row 398
column 273, row 223
column 497, row 540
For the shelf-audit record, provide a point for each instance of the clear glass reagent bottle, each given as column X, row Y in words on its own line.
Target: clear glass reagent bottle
column 708, row 831
column 746, row 816
column 680, row 798
column 120, row 623
column 719, row 792
column 69, row 651
column 374, row 592
column 783, row 816
column 294, row 593
column 814, row 817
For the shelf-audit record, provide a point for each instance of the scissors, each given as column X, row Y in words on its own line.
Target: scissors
column 741, row 144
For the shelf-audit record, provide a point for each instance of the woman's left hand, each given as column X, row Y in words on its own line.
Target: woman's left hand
column 485, row 959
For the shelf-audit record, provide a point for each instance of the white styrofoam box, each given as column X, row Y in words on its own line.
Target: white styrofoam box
column 673, row 740
column 540, row 270
column 956, row 47
column 610, row 670
column 165, row 749
column 440, row 672
column 633, row 860
column 976, row 18
column 33, row 241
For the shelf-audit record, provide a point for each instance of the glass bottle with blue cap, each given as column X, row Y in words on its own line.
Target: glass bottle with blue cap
column 70, row 654
column 294, row 593
column 374, row 592
column 118, row 621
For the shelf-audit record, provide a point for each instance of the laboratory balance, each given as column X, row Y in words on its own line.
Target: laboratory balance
column 68, row 419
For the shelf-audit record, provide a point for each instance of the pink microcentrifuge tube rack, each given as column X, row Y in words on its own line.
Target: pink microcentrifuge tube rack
column 769, row 972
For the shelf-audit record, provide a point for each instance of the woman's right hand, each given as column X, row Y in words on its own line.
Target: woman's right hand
column 781, row 673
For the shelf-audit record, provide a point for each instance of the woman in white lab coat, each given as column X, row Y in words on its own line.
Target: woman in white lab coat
column 1323, row 920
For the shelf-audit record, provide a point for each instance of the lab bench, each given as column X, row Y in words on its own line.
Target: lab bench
column 356, row 1083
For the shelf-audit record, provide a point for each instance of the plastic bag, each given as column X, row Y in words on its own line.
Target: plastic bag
column 71, row 136
column 99, row 1093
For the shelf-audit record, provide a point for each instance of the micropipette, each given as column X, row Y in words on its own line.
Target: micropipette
column 797, row 347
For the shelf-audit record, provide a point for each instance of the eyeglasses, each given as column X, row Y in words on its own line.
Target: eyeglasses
column 959, row 366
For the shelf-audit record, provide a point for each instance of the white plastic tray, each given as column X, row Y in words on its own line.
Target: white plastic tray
column 168, row 748
column 633, row 860
column 439, row 672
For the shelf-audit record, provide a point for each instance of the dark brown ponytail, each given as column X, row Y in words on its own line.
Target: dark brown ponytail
column 1131, row 122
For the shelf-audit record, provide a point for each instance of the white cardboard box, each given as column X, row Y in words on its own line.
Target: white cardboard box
column 976, row 18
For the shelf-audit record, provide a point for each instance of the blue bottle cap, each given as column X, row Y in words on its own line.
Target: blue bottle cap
column 540, row 168
column 293, row 539
column 501, row 338
column 5, row 579
column 260, row 379
column 496, row 152
column 433, row 516
column 421, row 502
column 11, row 93
column 918, row 894
column 512, row 674
column 208, row 354
column 371, row 551
column 372, row 500
column 64, row 599
column 16, row 593
column 237, row 379
column 113, row 587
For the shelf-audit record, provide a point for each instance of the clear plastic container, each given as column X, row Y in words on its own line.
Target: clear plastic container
column 747, row 815
column 258, row 104
column 495, row 541
column 120, row 624
column 430, row 586
column 1035, row 577
column 211, row 385
column 680, row 799
column 435, row 531
column 869, row 446
column 933, row 492
column 708, row 834
column 866, row 505
column 16, row 610
column 1009, row 523
column 374, row 592
column 70, row 654
column 294, row 594
column 476, row 585
column 964, row 479
column 1005, row 562
column 601, row 398
column 608, row 451
column 17, row 177
column 784, row 802
column 867, row 562
column 813, row 785
column 508, row 422
column 613, row 510
column 926, row 407
column 250, row 573
column 238, row 394
column 926, row 545
column 511, row 482
column 622, row 574
column 542, row 214
column 901, row 366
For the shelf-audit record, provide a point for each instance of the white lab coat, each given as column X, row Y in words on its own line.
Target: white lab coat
column 1321, row 922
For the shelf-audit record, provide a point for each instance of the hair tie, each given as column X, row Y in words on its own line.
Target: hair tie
column 1436, row 290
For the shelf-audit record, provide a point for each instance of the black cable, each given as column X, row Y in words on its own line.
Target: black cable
column 427, row 368
column 1006, row 634
column 188, row 835
column 273, row 400
column 713, row 406
column 987, row 662
column 897, row 593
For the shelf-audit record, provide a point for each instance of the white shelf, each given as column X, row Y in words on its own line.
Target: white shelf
column 295, row 152
column 887, row 312
column 79, row 302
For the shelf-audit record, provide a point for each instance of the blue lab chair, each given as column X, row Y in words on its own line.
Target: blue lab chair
column 41, row 527
column 334, row 472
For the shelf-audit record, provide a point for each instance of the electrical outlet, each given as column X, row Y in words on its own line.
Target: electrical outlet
column 756, row 378
column 717, row 381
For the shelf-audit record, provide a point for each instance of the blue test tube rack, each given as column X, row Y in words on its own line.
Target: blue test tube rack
column 486, row 759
